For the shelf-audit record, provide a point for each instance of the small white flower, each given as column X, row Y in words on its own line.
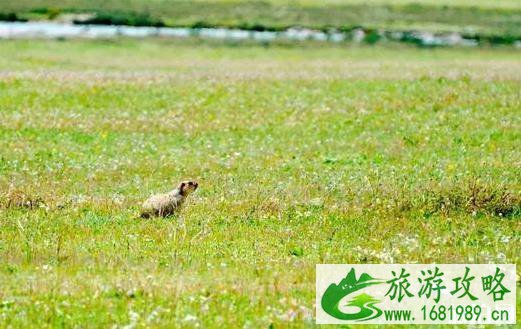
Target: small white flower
column 501, row 257
column 134, row 316
column 153, row 315
column 504, row 239
column 190, row 318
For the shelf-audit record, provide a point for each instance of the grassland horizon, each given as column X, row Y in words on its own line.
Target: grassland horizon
column 497, row 22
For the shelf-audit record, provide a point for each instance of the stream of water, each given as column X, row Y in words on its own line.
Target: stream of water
column 17, row 30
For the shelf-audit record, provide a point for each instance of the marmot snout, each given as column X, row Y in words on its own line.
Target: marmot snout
column 167, row 204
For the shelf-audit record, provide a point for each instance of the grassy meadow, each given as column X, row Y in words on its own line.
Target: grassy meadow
column 305, row 154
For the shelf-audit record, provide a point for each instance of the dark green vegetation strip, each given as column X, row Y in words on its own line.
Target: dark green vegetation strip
column 11, row 17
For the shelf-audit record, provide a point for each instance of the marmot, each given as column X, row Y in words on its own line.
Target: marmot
column 167, row 204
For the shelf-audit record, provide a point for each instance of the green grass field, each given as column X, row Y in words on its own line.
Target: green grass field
column 304, row 155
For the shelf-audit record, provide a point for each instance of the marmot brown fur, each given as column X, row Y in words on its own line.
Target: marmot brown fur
column 164, row 205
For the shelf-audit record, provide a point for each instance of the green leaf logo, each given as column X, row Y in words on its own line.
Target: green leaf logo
column 364, row 302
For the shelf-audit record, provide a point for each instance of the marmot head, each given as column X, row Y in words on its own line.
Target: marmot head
column 187, row 187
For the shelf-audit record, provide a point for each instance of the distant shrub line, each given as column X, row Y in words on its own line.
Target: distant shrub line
column 371, row 35
column 144, row 19
column 120, row 18
column 11, row 17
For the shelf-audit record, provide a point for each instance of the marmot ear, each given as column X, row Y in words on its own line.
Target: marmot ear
column 182, row 185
